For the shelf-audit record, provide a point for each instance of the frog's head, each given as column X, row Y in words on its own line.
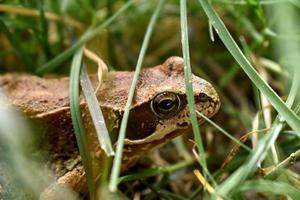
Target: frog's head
column 160, row 110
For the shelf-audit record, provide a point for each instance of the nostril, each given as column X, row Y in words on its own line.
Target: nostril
column 202, row 97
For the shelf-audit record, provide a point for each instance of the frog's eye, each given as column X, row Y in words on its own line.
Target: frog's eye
column 165, row 105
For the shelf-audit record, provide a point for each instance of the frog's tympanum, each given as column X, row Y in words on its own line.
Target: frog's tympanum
column 159, row 113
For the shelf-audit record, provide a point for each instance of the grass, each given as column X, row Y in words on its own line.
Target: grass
column 244, row 48
column 120, row 143
column 78, row 122
column 189, row 87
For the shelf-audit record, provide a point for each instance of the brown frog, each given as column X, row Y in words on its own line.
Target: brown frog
column 159, row 113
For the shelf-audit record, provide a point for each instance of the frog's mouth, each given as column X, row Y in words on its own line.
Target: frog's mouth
column 145, row 146
column 160, row 135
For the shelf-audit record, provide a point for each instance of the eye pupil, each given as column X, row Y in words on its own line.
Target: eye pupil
column 165, row 105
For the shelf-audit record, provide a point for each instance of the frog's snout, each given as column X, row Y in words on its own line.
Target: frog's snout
column 206, row 96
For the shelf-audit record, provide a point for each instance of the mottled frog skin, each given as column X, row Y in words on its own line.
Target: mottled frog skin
column 159, row 113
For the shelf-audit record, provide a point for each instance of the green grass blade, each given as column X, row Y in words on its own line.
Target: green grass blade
column 96, row 113
column 269, row 32
column 189, row 86
column 15, row 42
column 43, row 33
column 290, row 116
column 268, row 140
column 270, row 187
column 77, row 120
column 118, row 158
column 89, row 34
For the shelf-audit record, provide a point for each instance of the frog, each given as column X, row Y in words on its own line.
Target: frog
column 159, row 113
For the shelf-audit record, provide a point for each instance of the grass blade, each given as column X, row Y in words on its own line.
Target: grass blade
column 189, row 86
column 77, row 120
column 96, row 113
column 289, row 115
column 120, row 143
column 44, row 31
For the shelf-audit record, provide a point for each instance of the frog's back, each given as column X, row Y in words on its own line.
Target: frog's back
column 34, row 95
column 38, row 97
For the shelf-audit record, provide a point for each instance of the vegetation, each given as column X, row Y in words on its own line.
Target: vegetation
column 248, row 49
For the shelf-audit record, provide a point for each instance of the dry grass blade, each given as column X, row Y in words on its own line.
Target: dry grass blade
column 36, row 13
column 102, row 68
column 96, row 113
column 288, row 161
column 205, row 184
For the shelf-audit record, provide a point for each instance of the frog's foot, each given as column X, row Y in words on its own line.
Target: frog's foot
column 69, row 186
